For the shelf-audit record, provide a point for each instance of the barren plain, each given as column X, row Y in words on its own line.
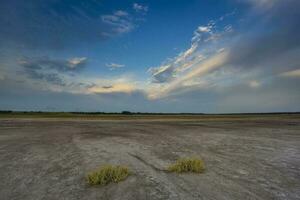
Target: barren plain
column 245, row 157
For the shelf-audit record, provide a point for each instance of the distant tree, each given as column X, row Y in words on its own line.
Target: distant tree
column 126, row 112
column 5, row 111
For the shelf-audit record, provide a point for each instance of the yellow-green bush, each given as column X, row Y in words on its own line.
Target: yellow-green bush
column 187, row 165
column 108, row 174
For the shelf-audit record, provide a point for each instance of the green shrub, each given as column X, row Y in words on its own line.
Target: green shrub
column 108, row 174
column 187, row 165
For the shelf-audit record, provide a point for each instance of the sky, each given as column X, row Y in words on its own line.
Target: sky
column 196, row 56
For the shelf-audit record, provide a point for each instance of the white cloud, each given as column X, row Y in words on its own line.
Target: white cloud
column 204, row 29
column 113, row 66
column 140, row 8
column 76, row 61
column 293, row 73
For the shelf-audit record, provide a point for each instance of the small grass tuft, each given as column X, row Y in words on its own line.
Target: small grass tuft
column 108, row 174
column 187, row 165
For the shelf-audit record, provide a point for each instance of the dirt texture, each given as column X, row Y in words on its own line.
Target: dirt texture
column 244, row 159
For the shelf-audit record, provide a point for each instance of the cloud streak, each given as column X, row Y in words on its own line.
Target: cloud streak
column 113, row 66
column 294, row 73
column 205, row 54
column 199, row 70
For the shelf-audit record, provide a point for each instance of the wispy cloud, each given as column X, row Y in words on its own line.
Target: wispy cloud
column 113, row 66
column 205, row 53
column 199, row 69
column 204, row 43
column 120, row 22
column 293, row 73
column 140, row 8
column 121, row 13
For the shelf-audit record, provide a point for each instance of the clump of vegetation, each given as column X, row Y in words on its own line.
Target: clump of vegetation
column 187, row 165
column 108, row 174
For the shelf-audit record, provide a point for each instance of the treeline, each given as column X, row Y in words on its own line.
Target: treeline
column 6, row 111
column 95, row 113
column 137, row 113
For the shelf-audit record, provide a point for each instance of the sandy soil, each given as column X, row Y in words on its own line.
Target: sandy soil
column 245, row 159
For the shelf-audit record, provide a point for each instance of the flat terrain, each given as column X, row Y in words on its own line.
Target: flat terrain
column 246, row 157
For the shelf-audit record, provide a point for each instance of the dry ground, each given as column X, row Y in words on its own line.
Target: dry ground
column 245, row 159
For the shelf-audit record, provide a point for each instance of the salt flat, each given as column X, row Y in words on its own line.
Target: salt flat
column 245, row 159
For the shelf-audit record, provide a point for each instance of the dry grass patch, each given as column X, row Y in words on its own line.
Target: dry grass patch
column 187, row 165
column 108, row 174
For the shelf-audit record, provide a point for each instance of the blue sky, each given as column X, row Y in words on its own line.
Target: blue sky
column 213, row 56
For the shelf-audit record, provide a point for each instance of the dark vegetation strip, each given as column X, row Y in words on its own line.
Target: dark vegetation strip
column 139, row 115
